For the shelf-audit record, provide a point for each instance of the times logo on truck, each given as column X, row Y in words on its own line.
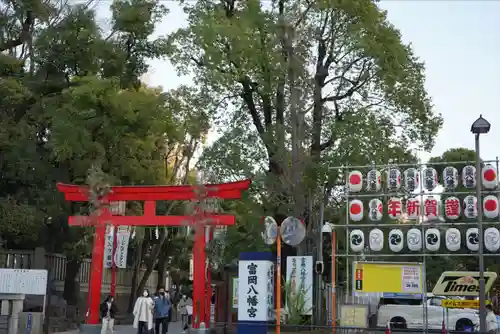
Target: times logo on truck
column 462, row 283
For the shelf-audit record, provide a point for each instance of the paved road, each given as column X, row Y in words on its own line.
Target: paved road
column 173, row 328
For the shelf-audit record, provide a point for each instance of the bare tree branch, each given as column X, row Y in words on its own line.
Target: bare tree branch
column 23, row 36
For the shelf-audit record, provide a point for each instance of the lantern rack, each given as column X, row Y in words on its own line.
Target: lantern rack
column 384, row 194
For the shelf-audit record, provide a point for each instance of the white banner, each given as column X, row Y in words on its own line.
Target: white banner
column 122, row 240
column 253, row 290
column 108, row 247
column 299, row 271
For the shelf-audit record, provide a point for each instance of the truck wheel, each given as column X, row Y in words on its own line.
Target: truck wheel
column 398, row 323
column 462, row 324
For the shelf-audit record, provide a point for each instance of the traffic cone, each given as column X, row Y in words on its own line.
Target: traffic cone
column 443, row 328
column 388, row 328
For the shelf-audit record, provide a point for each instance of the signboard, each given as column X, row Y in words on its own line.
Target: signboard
column 191, row 269
column 29, row 323
column 23, row 281
column 270, row 292
column 354, row 316
column 403, row 295
column 235, row 292
column 253, row 290
column 460, row 303
column 108, row 247
column 462, row 283
column 299, row 272
column 122, row 240
column 370, row 277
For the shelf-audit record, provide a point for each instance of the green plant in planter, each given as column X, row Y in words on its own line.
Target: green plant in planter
column 295, row 305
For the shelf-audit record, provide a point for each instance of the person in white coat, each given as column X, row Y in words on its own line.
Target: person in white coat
column 143, row 313
column 491, row 320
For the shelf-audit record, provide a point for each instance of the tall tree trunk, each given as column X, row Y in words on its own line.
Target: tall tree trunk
column 142, row 248
column 150, row 265
column 162, row 264
column 71, row 289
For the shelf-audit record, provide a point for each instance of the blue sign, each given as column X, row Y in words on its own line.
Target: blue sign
column 29, row 323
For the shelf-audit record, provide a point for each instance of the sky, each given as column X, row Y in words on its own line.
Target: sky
column 459, row 41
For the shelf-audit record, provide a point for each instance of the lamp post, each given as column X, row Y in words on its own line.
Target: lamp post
column 479, row 127
column 329, row 228
column 319, row 260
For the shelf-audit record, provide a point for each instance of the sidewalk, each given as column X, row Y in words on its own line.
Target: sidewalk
column 173, row 328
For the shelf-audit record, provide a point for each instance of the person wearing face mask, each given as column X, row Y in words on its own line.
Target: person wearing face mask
column 163, row 306
column 108, row 312
column 184, row 304
column 143, row 313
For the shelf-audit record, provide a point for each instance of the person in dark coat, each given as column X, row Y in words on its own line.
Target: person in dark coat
column 108, row 312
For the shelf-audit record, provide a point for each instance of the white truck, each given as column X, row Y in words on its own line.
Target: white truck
column 403, row 313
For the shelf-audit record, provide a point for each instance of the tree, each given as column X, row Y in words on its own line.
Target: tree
column 296, row 77
column 74, row 110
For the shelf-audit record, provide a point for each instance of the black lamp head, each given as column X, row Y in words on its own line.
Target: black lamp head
column 480, row 126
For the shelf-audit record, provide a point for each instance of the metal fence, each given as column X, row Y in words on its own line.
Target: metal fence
column 224, row 328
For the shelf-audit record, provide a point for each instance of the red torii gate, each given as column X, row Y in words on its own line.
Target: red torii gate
column 151, row 194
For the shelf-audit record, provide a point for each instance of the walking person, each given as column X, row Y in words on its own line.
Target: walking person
column 491, row 320
column 163, row 306
column 143, row 313
column 108, row 311
column 184, row 304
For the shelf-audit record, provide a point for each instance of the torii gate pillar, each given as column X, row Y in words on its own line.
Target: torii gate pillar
column 151, row 194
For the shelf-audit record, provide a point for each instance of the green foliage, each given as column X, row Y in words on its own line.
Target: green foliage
column 295, row 305
column 303, row 88
column 72, row 102
column 246, row 236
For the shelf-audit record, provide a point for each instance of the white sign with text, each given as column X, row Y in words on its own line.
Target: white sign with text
column 122, row 240
column 253, row 290
column 299, row 273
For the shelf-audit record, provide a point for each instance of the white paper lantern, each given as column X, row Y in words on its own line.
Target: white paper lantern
column 373, row 180
column 375, row 209
column 413, row 208
column 453, row 239
column 355, row 183
column 431, row 208
column 429, row 178
column 450, row 178
column 396, row 240
column 357, row 240
column 490, row 206
column 472, row 239
column 492, row 239
column 393, row 179
column 469, row 176
column 411, row 179
column 452, row 208
column 356, row 210
column 470, row 206
column 376, row 240
column 414, row 239
column 432, row 239
column 489, row 177
column 394, row 207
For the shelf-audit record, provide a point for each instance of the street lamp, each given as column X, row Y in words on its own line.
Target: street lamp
column 479, row 127
column 330, row 229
